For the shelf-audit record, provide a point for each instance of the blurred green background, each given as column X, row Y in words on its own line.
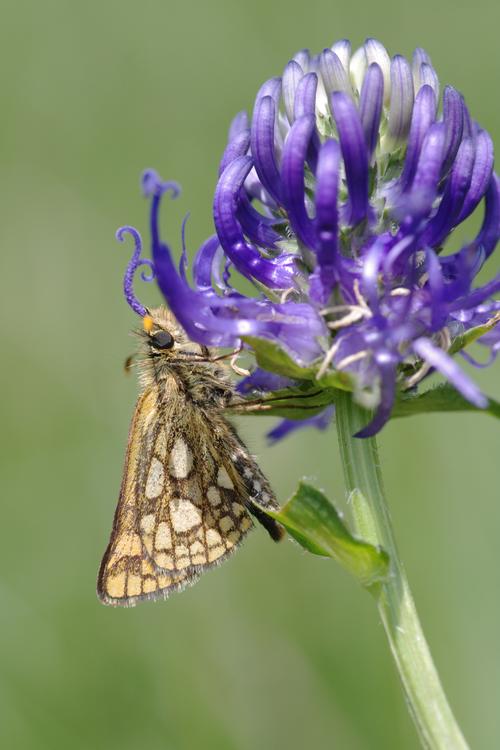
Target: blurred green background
column 276, row 649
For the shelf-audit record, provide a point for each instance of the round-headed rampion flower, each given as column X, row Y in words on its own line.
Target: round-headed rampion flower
column 337, row 201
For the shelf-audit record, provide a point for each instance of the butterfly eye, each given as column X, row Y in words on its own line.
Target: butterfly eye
column 162, row 340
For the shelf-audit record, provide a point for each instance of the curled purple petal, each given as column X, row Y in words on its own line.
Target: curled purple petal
column 447, row 215
column 402, row 96
column 261, row 381
column 320, row 421
column 152, row 184
column 428, row 77
column 292, row 75
column 424, row 186
column 292, row 178
column 481, row 174
column 354, row 153
column 453, row 118
column 333, row 73
column 342, row 49
column 444, row 364
column 237, row 146
column 263, row 146
column 377, row 53
column 245, row 257
column 135, row 262
column 305, row 103
column 203, row 263
column 490, row 230
column 386, row 366
column 424, row 114
column 327, row 185
column 370, row 106
column 305, row 95
column 257, row 228
column 239, row 124
column 436, row 286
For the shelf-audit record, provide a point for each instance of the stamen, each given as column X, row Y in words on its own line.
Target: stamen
column 416, row 377
column 234, row 366
column 444, row 339
column 354, row 316
column 286, row 294
column 352, row 358
column 328, row 358
column 360, row 299
column 135, row 262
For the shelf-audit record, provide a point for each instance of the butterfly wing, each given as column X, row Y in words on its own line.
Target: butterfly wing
column 126, row 575
column 182, row 509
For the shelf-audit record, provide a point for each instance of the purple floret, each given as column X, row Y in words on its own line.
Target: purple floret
column 336, row 202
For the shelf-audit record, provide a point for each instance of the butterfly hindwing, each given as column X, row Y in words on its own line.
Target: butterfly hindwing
column 197, row 517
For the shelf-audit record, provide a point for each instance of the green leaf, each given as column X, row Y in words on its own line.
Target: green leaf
column 272, row 358
column 460, row 342
column 441, row 398
column 313, row 521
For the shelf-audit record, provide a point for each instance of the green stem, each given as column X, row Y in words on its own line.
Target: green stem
column 436, row 725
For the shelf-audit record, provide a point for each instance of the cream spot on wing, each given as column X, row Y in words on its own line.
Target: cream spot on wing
column 213, row 537
column 148, row 523
column 181, row 459
column 215, row 552
column 154, row 484
column 128, row 544
column 182, row 562
column 115, row 585
column 198, row 559
column 234, row 536
column 196, row 548
column 223, row 479
column 184, row 515
column 133, row 585
column 147, row 567
column 181, row 550
column 163, row 560
column 161, row 444
column 226, row 523
column 213, row 495
column 149, row 585
column 237, row 509
column 245, row 524
column 163, row 540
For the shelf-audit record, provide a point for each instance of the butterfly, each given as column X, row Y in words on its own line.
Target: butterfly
column 190, row 488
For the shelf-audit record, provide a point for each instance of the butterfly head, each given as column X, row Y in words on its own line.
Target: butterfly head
column 162, row 330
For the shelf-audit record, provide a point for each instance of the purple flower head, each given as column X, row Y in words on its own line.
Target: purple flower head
column 336, row 199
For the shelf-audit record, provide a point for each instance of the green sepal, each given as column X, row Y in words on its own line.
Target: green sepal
column 467, row 338
column 442, row 398
column 272, row 358
column 312, row 520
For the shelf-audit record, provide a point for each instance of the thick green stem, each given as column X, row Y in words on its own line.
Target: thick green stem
column 427, row 702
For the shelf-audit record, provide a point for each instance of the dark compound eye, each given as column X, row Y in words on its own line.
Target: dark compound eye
column 162, row 340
